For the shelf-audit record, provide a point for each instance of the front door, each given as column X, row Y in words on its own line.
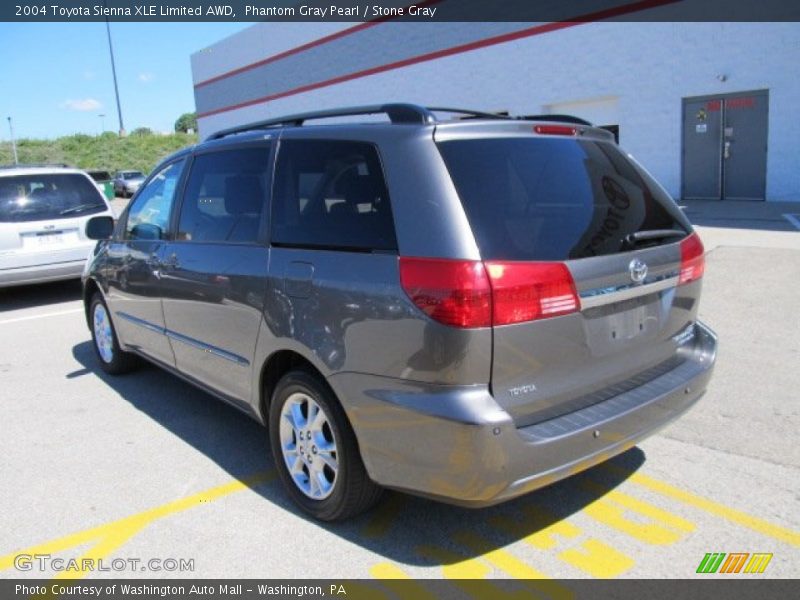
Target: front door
column 134, row 259
column 725, row 146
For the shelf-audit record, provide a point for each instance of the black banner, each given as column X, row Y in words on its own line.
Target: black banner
column 735, row 588
column 400, row 10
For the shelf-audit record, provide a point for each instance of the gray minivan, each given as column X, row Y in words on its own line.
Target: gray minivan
column 465, row 309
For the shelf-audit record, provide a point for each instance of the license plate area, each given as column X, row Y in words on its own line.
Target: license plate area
column 42, row 240
column 622, row 325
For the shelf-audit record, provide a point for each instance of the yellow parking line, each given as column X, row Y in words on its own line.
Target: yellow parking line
column 109, row 537
column 740, row 518
column 499, row 558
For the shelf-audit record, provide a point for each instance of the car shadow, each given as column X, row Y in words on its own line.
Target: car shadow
column 402, row 528
column 43, row 294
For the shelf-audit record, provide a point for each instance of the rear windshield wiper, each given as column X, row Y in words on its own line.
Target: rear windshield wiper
column 80, row 208
column 651, row 234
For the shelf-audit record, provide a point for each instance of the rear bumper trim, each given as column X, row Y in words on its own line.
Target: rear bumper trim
column 456, row 444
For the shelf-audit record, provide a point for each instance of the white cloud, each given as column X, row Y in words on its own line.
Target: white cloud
column 146, row 77
column 85, row 105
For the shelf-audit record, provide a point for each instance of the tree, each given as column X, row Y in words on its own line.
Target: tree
column 142, row 131
column 186, row 122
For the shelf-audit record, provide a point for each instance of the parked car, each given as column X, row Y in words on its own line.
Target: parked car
column 104, row 182
column 43, row 214
column 465, row 309
column 127, row 182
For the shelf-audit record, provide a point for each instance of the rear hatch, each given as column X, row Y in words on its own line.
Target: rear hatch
column 42, row 216
column 594, row 270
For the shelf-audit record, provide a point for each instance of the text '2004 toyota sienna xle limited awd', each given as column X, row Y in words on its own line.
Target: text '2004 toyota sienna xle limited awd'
column 464, row 309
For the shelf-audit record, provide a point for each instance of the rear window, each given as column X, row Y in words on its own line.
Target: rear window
column 554, row 199
column 42, row 197
column 331, row 195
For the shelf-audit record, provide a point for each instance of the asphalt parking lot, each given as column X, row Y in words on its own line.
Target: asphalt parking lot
column 146, row 467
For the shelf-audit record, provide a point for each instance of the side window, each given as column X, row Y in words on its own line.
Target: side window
column 331, row 194
column 225, row 196
column 148, row 217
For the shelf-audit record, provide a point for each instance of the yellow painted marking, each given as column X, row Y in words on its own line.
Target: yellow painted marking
column 740, row 518
column 457, row 567
column 384, row 516
column 592, row 556
column 663, row 529
column 408, row 587
column 758, row 562
column 109, row 537
column 499, row 558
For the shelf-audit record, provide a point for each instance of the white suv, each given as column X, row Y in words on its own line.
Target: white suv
column 43, row 214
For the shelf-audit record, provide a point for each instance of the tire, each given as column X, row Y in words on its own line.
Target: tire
column 336, row 495
column 113, row 360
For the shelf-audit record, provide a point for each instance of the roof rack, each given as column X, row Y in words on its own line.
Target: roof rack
column 37, row 165
column 397, row 113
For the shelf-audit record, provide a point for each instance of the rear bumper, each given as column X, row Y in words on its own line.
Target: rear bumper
column 456, row 444
column 42, row 273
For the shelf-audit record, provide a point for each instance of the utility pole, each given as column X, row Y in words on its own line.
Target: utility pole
column 13, row 141
column 114, row 74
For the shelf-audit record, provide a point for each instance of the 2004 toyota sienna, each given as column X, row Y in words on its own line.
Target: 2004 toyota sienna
column 465, row 309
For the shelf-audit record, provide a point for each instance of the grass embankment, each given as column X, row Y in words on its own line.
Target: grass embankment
column 107, row 151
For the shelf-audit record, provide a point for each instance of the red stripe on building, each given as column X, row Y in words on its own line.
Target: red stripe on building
column 492, row 41
column 319, row 42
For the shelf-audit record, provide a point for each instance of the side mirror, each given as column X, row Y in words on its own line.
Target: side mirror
column 100, row 228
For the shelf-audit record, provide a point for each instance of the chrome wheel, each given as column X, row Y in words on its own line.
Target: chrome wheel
column 308, row 446
column 103, row 336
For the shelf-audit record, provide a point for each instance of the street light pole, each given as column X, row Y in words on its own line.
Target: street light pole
column 13, row 141
column 102, row 123
column 114, row 74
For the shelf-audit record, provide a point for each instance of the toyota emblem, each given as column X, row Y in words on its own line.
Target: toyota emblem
column 638, row 270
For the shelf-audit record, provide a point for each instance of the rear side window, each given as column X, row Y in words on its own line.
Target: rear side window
column 225, row 196
column 553, row 199
column 331, row 194
column 40, row 197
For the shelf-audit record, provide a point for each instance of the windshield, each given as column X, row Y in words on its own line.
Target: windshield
column 132, row 175
column 556, row 199
column 53, row 196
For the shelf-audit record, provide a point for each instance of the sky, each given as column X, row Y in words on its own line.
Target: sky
column 56, row 77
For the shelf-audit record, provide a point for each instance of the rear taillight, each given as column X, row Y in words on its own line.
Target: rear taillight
column 693, row 262
column 453, row 292
column 555, row 129
column 526, row 291
column 475, row 294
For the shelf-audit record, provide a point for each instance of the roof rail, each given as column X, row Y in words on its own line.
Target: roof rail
column 558, row 118
column 397, row 113
column 37, row 165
